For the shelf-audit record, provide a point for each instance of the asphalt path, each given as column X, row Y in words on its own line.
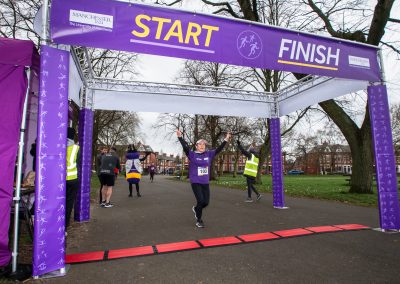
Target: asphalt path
column 163, row 215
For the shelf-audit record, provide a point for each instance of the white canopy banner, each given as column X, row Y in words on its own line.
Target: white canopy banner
column 306, row 95
column 75, row 82
column 173, row 103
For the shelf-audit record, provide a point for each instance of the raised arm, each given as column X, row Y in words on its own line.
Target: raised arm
column 183, row 142
column 145, row 156
column 220, row 147
column 244, row 152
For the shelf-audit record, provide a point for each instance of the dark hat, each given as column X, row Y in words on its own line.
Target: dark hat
column 253, row 151
column 70, row 133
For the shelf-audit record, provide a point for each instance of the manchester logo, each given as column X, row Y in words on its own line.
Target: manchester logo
column 94, row 19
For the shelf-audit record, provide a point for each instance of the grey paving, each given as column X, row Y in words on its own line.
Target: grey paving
column 163, row 215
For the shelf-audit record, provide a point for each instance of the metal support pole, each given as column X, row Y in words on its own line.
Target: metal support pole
column 45, row 22
column 383, row 74
column 19, row 172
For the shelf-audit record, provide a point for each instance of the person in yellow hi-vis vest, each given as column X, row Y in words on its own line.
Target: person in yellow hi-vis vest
column 250, row 171
column 72, row 184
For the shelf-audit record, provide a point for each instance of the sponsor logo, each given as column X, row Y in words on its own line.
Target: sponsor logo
column 94, row 19
column 249, row 44
column 359, row 62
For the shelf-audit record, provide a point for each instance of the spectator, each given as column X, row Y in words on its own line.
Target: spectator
column 98, row 165
column 134, row 169
column 250, row 170
column 72, row 184
column 109, row 162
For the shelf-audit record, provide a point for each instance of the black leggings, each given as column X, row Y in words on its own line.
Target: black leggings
column 250, row 187
column 202, row 194
column 137, row 189
column 72, row 187
column 151, row 176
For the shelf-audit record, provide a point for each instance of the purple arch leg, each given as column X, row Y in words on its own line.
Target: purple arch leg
column 82, row 205
column 276, row 157
column 49, row 232
column 389, row 212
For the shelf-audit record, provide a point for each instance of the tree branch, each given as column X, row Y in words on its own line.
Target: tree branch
column 228, row 7
column 392, row 47
column 394, row 20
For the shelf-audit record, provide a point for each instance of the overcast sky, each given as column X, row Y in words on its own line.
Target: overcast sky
column 165, row 69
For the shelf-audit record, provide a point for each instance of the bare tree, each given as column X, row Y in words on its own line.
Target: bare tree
column 359, row 138
column 334, row 17
column 16, row 19
column 395, row 118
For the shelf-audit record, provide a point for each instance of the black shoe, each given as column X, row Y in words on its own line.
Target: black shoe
column 259, row 197
column 108, row 205
column 5, row 270
column 138, row 195
column 130, row 195
column 200, row 224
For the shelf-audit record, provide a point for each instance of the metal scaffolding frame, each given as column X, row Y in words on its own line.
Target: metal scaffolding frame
column 92, row 83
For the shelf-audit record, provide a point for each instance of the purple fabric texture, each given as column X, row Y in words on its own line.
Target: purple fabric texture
column 276, row 157
column 82, row 205
column 13, row 83
column 200, row 166
column 171, row 32
column 49, row 234
column 18, row 52
column 386, row 179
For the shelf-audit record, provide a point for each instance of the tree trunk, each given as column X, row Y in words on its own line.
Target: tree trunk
column 235, row 164
column 264, row 152
column 214, row 137
column 360, row 143
column 221, row 164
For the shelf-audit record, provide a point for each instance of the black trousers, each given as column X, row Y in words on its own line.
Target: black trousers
column 250, row 186
column 70, row 196
column 137, row 189
column 151, row 176
column 202, row 194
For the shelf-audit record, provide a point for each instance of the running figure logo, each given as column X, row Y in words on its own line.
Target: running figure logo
column 249, row 44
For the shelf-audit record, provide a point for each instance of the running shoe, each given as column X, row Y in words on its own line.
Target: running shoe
column 248, row 199
column 108, row 205
column 259, row 197
column 103, row 204
column 200, row 224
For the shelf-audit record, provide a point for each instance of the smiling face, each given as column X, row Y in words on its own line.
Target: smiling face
column 201, row 146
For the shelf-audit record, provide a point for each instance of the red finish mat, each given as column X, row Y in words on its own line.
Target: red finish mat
column 138, row 251
column 84, row 257
column 207, row 243
column 293, row 233
column 220, row 241
column 258, row 237
column 352, row 227
column 323, row 229
column 177, row 246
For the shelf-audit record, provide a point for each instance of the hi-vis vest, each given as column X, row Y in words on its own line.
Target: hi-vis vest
column 72, row 156
column 251, row 166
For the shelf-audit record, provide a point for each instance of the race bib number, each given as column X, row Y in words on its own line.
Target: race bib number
column 202, row 171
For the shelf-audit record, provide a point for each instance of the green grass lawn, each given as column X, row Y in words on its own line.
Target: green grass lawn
column 319, row 187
